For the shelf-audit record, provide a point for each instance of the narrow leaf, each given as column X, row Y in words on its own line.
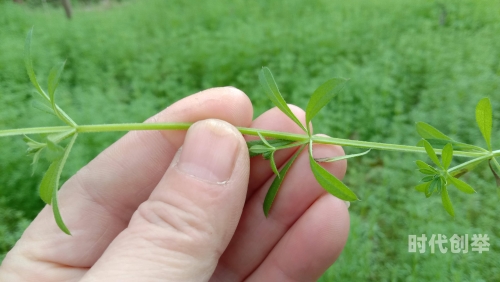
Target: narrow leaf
column 269, row 86
column 275, row 186
column 261, row 148
column 422, row 187
column 34, row 163
column 273, row 142
column 28, row 63
column 440, row 143
column 57, row 213
column 256, row 150
column 424, row 165
column 334, row 159
column 461, row 185
column 330, row 183
column 428, row 178
column 322, row 95
column 432, row 155
column 54, row 77
column 427, row 171
column 55, row 206
column 58, row 137
column 432, row 187
column 53, row 151
column 33, row 144
column 447, row 202
column 484, row 117
column 49, row 182
column 442, row 183
column 447, row 155
column 427, row 131
column 42, row 107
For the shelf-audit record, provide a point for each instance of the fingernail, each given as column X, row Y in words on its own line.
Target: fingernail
column 209, row 151
column 348, row 204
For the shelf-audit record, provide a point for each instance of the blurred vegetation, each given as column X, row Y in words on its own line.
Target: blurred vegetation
column 408, row 61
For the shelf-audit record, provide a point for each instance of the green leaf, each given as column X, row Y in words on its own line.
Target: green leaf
column 461, row 185
column 57, row 213
column 36, row 158
column 32, row 144
column 275, row 186
column 428, row 178
column 447, row 155
column 484, row 119
column 50, row 181
column 329, row 182
column 58, row 137
column 422, row 187
column 272, row 142
column 54, row 77
column 261, row 148
column 50, row 184
column 440, row 143
column 447, row 202
column 53, row 151
column 322, row 95
column 42, row 107
column 334, row 159
column 35, row 149
column 269, row 86
column 427, row 171
column 442, row 183
column 438, row 139
column 433, row 186
column 424, row 165
column 427, row 131
column 28, row 63
column 256, row 150
column 432, row 155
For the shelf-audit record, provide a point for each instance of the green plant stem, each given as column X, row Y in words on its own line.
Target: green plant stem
column 301, row 138
column 484, row 157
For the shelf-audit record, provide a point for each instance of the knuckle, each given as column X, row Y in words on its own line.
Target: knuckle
column 171, row 223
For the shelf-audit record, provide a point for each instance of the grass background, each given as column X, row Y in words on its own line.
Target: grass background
column 407, row 60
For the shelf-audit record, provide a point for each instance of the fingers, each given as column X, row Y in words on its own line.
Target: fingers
column 311, row 245
column 179, row 233
column 98, row 202
column 257, row 235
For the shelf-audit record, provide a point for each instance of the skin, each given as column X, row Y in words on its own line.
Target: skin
column 187, row 206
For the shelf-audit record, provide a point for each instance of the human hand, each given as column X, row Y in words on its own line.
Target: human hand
column 147, row 209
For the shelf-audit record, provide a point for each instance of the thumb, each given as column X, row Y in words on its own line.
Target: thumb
column 179, row 233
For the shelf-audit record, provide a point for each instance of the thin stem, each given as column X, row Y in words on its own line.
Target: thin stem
column 303, row 138
column 387, row 146
column 476, row 160
column 34, row 130
column 132, row 126
column 497, row 165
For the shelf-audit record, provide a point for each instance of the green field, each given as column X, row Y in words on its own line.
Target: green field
column 407, row 61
